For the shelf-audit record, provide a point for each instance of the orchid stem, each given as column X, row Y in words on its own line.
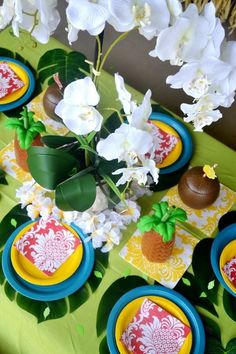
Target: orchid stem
column 113, row 44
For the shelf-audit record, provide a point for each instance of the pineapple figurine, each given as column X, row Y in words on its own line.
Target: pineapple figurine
column 159, row 231
column 27, row 134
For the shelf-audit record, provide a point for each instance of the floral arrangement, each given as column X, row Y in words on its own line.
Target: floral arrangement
column 106, row 159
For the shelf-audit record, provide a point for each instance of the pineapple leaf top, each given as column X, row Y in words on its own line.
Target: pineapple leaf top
column 162, row 220
column 26, row 128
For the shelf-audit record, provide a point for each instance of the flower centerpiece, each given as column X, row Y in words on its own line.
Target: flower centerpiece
column 106, row 162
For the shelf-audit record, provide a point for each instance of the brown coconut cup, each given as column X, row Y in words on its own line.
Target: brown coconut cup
column 154, row 249
column 196, row 190
column 22, row 154
column 51, row 98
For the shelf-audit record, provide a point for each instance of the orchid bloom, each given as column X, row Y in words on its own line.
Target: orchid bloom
column 190, row 36
column 86, row 15
column 77, row 107
column 127, row 144
column 124, row 95
column 7, row 11
column 203, row 112
column 200, row 77
column 39, row 17
column 150, row 16
column 138, row 173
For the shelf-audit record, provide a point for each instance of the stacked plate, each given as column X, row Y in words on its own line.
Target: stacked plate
column 25, row 278
column 20, row 96
column 127, row 306
column 178, row 160
column 223, row 249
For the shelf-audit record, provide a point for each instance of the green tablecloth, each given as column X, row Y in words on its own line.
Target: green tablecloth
column 75, row 332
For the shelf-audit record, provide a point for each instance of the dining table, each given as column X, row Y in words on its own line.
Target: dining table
column 77, row 324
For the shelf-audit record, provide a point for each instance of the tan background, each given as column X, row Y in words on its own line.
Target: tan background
column 130, row 58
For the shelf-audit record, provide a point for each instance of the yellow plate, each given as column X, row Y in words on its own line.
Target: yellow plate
column 228, row 252
column 29, row 272
column 130, row 310
column 176, row 152
column 18, row 93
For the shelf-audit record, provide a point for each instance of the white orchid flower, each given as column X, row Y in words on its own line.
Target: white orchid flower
column 129, row 211
column 97, row 237
column 124, row 95
column 7, row 11
column 150, row 16
column 138, row 173
column 112, row 235
column 189, row 36
column 37, row 16
column 76, row 109
column 200, row 77
column 86, row 15
column 127, row 143
column 227, row 86
column 203, row 112
column 175, row 9
column 89, row 221
column 141, row 114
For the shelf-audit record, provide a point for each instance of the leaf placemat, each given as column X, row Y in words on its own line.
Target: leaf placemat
column 169, row 272
column 205, row 220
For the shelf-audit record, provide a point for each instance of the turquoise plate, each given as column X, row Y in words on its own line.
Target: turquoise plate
column 49, row 292
column 222, row 239
column 198, row 333
column 187, row 149
column 30, row 90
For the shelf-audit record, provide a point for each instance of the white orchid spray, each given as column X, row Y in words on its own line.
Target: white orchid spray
column 101, row 165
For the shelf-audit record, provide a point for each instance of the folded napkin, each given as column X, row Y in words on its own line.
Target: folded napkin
column 9, row 80
column 154, row 330
column 47, row 244
column 230, row 270
column 164, row 143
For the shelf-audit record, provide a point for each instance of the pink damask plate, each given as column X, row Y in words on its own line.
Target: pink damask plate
column 130, row 310
column 29, row 272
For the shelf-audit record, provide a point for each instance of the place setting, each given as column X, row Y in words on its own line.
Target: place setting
column 154, row 318
column 17, row 83
column 47, row 260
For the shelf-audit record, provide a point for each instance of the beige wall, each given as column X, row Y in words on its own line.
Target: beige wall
column 130, row 58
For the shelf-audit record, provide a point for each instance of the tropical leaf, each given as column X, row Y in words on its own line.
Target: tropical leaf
column 211, row 327
column 76, row 193
column 213, row 346
column 100, row 265
column 49, row 167
column 2, row 177
column 231, row 346
column 111, row 295
column 203, row 271
column 70, row 66
column 78, row 298
column 56, row 141
column 103, row 347
column 229, row 302
column 6, row 228
column 189, row 287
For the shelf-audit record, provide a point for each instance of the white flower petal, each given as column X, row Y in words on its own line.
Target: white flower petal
column 81, row 92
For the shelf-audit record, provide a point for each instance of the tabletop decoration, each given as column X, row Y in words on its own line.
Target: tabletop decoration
column 169, row 272
column 153, row 328
column 9, row 80
column 204, row 221
column 201, row 56
column 47, row 245
column 27, row 134
column 158, row 231
column 199, row 187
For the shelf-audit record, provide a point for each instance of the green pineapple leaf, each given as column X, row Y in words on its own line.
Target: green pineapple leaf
column 146, row 223
column 177, row 214
column 160, row 209
column 26, row 128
